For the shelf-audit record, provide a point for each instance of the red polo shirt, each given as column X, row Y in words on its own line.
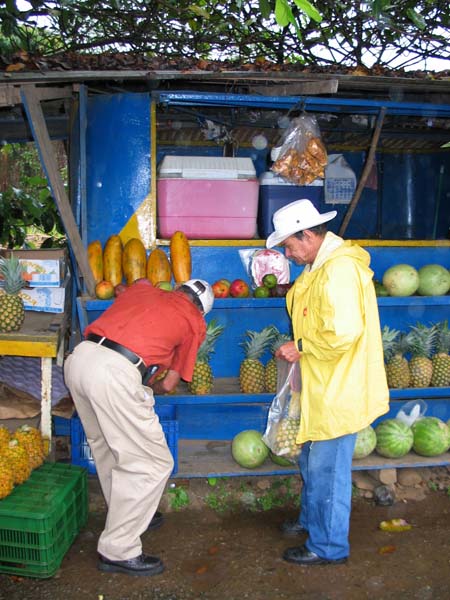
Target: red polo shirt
column 163, row 328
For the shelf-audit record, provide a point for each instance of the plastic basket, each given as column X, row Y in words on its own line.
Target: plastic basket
column 40, row 519
column 81, row 453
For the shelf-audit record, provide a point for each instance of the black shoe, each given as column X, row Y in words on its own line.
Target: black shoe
column 142, row 566
column 156, row 522
column 292, row 528
column 300, row 555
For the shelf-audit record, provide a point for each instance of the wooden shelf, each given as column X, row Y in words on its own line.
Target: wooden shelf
column 210, row 458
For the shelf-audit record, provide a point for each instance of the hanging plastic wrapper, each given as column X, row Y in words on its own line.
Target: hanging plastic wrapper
column 283, row 420
column 258, row 263
column 302, row 157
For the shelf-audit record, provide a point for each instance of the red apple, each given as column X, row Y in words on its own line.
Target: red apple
column 220, row 289
column 239, row 289
column 226, row 282
column 119, row 289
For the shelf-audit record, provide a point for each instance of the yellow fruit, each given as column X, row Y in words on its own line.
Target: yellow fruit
column 95, row 258
column 112, row 260
column 180, row 257
column 17, row 457
column 5, row 436
column 6, row 478
column 30, row 438
column 158, row 267
column 134, row 260
column 104, row 290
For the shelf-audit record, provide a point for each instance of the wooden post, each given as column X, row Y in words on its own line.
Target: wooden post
column 31, row 102
column 365, row 173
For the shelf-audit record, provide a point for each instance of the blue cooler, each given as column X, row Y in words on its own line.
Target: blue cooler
column 275, row 192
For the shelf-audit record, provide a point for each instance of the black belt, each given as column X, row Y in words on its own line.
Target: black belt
column 131, row 356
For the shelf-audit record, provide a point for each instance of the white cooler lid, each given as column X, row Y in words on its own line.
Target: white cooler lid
column 271, row 178
column 207, row 167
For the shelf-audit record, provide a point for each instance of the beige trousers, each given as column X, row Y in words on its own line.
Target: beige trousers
column 130, row 451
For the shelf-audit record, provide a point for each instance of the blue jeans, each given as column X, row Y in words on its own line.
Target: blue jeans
column 325, row 467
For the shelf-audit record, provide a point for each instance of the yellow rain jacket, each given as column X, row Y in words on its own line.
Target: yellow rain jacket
column 334, row 312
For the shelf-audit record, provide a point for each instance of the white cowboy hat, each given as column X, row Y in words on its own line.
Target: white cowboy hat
column 294, row 217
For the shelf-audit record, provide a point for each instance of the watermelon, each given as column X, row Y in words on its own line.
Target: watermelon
column 401, row 280
column 431, row 436
column 248, row 449
column 366, row 440
column 394, row 438
column 434, row 280
column 281, row 461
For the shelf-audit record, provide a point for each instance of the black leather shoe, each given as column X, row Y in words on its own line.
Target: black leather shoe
column 292, row 528
column 141, row 566
column 300, row 555
column 156, row 522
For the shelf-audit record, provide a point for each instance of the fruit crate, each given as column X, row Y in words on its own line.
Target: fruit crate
column 81, row 453
column 40, row 519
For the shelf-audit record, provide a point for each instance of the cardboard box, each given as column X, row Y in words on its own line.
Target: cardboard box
column 207, row 197
column 43, row 268
column 46, row 299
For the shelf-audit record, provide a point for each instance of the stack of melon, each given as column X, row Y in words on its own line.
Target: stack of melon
column 406, row 280
column 119, row 264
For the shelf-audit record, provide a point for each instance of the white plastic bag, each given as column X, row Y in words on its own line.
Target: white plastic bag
column 340, row 180
column 411, row 411
column 283, row 420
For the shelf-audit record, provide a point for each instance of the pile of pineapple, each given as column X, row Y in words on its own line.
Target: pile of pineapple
column 20, row 453
column 418, row 358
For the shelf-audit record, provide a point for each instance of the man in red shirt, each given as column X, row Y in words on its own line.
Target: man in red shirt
column 111, row 377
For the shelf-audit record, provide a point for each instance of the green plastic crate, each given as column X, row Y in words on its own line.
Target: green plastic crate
column 41, row 518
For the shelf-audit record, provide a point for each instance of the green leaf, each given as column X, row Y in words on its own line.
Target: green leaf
column 200, row 12
column 265, row 8
column 416, row 18
column 283, row 13
column 446, row 145
column 309, row 10
column 212, row 481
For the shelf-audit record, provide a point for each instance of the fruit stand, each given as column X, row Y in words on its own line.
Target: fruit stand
column 116, row 147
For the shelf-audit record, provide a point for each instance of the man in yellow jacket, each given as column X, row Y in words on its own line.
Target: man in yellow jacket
column 337, row 339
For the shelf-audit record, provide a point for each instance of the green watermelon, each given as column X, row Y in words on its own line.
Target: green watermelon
column 431, row 436
column 401, row 280
column 394, row 438
column 248, row 449
column 366, row 440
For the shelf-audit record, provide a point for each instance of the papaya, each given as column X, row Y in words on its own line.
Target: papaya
column 134, row 260
column 112, row 260
column 95, row 259
column 158, row 267
column 180, row 257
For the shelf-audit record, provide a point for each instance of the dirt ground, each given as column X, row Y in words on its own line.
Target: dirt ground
column 229, row 548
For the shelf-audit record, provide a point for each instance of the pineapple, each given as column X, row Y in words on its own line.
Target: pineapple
column 397, row 369
column 18, row 460
column 271, row 369
column 12, row 311
column 285, row 444
column 202, row 378
column 421, row 341
column 6, row 478
column 5, row 436
column 441, row 360
column 251, row 372
column 31, row 439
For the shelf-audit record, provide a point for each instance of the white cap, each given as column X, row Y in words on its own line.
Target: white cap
column 203, row 292
column 294, row 217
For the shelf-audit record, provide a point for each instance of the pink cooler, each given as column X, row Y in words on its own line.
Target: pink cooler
column 207, row 197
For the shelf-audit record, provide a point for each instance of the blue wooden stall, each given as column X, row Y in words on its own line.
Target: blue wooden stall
column 405, row 221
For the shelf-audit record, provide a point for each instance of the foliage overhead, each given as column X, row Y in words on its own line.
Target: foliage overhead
column 385, row 33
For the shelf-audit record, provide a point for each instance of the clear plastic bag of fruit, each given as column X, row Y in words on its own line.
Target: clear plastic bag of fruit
column 302, row 156
column 283, row 419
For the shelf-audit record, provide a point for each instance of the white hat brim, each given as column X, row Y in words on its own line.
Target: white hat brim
column 277, row 237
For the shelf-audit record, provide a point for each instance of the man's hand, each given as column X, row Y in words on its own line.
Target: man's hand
column 166, row 385
column 288, row 352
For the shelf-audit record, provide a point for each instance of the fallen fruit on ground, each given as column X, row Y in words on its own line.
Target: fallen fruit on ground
column 248, row 449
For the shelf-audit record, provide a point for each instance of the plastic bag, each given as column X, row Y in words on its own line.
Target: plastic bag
column 302, row 157
column 283, row 419
column 340, row 180
column 258, row 263
column 411, row 411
